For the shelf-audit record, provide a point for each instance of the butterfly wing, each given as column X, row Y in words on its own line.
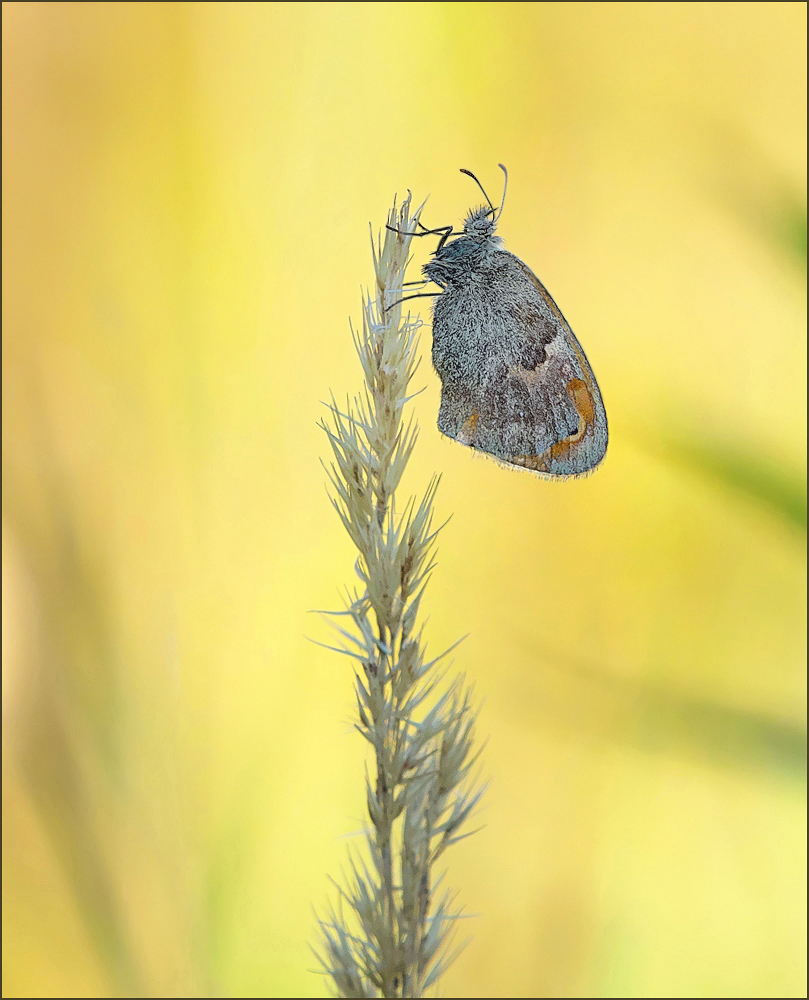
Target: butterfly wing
column 524, row 391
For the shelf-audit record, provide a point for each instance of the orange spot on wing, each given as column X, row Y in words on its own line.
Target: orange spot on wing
column 467, row 432
column 582, row 400
column 585, row 407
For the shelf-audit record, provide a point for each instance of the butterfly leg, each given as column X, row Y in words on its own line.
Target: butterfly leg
column 407, row 298
column 445, row 231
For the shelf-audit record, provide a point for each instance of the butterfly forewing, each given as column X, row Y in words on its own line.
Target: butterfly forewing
column 516, row 382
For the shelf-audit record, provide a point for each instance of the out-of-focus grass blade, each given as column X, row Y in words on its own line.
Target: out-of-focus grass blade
column 657, row 717
column 725, row 734
column 791, row 232
column 743, row 471
column 780, row 219
column 68, row 744
column 758, row 193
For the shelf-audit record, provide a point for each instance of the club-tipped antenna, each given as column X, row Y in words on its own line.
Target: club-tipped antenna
column 470, row 174
column 505, row 188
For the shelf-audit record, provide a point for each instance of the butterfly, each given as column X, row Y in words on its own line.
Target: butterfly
column 515, row 382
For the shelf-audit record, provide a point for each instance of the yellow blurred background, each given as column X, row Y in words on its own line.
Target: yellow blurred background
column 186, row 195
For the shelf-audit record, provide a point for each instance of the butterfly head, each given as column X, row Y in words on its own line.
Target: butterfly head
column 480, row 224
column 457, row 261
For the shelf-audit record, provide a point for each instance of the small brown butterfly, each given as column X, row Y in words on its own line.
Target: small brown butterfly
column 515, row 382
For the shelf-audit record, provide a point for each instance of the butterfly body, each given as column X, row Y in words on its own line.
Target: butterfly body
column 515, row 382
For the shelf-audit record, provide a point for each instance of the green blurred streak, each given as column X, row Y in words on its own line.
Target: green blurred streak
column 780, row 219
column 791, row 233
column 758, row 193
column 234, row 855
column 58, row 787
column 744, row 472
column 72, row 769
column 769, row 204
column 726, row 735
column 656, row 717
column 70, row 749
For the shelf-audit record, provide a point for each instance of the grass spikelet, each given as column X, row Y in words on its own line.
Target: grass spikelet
column 389, row 935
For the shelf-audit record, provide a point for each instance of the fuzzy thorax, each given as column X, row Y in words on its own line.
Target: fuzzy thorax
column 469, row 253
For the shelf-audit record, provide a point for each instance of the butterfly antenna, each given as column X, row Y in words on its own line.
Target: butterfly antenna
column 470, row 174
column 505, row 188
